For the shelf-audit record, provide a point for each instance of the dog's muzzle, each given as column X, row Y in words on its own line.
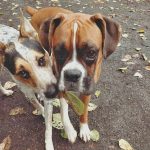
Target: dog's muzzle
column 51, row 91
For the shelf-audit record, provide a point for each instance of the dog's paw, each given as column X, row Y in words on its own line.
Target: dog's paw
column 8, row 92
column 49, row 146
column 71, row 134
column 84, row 132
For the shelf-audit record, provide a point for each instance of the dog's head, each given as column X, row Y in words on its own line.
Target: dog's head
column 28, row 63
column 78, row 42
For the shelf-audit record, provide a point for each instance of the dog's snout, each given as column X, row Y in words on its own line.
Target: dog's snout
column 72, row 75
column 51, row 91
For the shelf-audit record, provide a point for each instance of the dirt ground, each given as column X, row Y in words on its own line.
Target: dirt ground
column 124, row 104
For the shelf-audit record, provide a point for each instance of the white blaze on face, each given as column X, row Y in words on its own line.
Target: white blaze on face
column 73, row 64
column 44, row 75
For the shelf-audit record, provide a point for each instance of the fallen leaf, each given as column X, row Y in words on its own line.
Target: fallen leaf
column 91, row 107
column 137, row 74
column 57, row 123
column 123, row 69
column 141, row 31
column 138, row 49
column 6, row 143
column 63, row 134
column 147, row 68
column 75, row 102
column 144, row 57
column 9, row 85
column 56, row 102
column 126, row 58
column 97, row 93
column 17, row 111
column 125, row 35
column 136, row 56
column 94, row 135
column 124, row 145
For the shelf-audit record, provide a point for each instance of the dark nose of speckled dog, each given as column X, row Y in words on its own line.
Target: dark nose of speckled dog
column 52, row 91
column 72, row 75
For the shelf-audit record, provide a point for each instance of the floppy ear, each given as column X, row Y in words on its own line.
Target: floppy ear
column 26, row 29
column 111, row 32
column 2, row 52
column 47, row 30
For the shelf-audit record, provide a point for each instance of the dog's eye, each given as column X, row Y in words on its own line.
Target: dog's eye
column 42, row 62
column 91, row 57
column 91, row 54
column 24, row 74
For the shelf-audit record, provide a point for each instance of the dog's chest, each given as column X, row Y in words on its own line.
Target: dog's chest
column 8, row 34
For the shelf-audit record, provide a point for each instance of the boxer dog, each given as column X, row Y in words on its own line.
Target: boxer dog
column 77, row 43
column 30, row 67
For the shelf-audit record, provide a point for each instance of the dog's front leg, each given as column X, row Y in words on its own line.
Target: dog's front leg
column 4, row 91
column 84, row 128
column 48, row 110
column 69, row 129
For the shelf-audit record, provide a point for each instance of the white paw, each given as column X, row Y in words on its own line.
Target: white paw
column 49, row 146
column 71, row 133
column 84, row 132
column 8, row 92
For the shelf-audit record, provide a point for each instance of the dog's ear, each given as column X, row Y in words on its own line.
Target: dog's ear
column 26, row 29
column 47, row 30
column 111, row 32
column 2, row 52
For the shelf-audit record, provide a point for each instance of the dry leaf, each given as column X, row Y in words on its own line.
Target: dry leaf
column 91, row 107
column 17, row 111
column 144, row 57
column 97, row 93
column 137, row 74
column 136, row 56
column 138, row 49
column 147, row 68
column 126, row 58
column 125, row 145
column 141, row 31
column 123, row 69
column 9, row 85
column 125, row 35
column 6, row 144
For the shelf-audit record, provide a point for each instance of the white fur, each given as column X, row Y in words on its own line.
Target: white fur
column 44, row 77
column 69, row 129
column 84, row 132
column 73, row 64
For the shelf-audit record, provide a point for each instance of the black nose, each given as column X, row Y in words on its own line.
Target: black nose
column 52, row 91
column 72, row 75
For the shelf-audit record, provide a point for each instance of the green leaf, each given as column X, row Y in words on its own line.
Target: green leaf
column 75, row 102
column 94, row 135
column 97, row 93
column 63, row 134
column 56, row 102
column 57, row 123
column 124, row 145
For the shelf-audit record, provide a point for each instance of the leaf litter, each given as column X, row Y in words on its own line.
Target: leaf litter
column 6, row 143
column 17, row 111
column 123, row 144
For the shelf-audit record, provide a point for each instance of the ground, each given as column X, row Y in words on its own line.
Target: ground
column 124, row 104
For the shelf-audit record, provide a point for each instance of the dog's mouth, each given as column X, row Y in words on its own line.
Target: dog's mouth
column 86, row 87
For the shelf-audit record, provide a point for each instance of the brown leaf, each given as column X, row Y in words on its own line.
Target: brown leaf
column 6, row 144
column 147, row 68
column 17, row 111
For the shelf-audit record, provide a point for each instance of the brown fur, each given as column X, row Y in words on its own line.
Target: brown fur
column 106, row 35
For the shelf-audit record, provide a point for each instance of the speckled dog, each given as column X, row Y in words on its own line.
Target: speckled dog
column 30, row 67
